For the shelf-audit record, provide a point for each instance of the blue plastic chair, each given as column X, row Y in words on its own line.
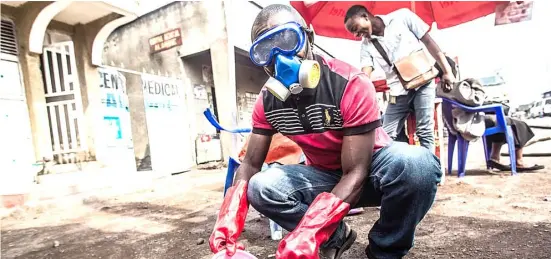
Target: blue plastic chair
column 463, row 145
column 233, row 164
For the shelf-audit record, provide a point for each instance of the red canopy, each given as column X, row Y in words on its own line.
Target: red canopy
column 327, row 17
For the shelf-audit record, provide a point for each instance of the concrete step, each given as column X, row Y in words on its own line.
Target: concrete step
column 66, row 190
column 54, row 186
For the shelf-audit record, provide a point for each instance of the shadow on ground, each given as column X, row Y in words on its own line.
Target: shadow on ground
column 181, row 233
column 481, row 172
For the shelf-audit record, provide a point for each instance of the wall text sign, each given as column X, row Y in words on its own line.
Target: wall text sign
column 165, row 41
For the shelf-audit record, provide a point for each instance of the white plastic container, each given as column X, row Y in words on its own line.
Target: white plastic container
column 276, row 232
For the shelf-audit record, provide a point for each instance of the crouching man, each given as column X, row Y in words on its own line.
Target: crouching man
column 329, row 109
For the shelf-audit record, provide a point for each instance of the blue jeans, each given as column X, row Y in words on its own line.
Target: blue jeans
column 422, row 103
column 402, row 180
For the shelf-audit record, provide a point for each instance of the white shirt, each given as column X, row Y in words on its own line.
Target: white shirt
column 403, row 30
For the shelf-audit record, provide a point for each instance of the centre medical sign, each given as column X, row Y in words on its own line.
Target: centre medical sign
column 165, row 41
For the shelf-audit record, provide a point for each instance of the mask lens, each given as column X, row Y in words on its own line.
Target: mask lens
column 285, row 40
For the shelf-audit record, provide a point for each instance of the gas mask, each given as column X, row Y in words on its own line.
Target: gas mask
column 279, row 46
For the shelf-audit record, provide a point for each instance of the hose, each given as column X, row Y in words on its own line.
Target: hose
column 534, row 154
column 539, row 127
column 530, row 154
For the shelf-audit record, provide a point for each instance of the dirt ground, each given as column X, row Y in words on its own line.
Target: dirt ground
column 484, row 215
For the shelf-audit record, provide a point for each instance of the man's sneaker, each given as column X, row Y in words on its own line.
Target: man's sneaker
column 336, row 253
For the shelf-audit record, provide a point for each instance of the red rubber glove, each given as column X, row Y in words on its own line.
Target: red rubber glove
column 318, row 224
column 231, row 220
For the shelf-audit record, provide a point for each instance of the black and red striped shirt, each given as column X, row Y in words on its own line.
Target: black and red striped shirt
column 344, row 103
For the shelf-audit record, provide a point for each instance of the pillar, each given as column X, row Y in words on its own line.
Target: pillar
column 223, row 71
column 32, row 79
column 89, row 80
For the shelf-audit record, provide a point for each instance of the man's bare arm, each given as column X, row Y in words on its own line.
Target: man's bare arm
column 357, row 151
column 436, row 53
column 367, row 71
column 254, row 158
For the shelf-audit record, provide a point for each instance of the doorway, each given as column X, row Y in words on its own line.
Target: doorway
column 63, row 102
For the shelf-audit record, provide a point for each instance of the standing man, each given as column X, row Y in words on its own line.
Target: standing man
column 400, row 34
column 329, row 109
